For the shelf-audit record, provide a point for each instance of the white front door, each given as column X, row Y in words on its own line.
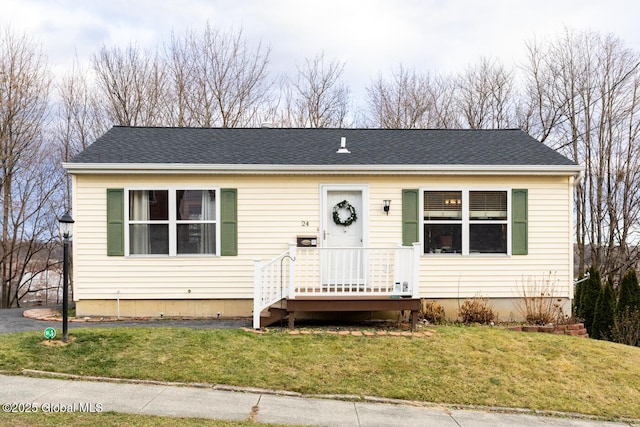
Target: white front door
column 344, row 225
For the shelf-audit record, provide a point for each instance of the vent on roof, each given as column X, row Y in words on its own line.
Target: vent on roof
column 343, row 146
column 267, row 125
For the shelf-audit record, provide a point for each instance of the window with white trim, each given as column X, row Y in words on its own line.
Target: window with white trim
column 172, row 222
column 465, row 221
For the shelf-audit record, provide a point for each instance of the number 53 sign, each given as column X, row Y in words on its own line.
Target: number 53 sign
column 50, row 333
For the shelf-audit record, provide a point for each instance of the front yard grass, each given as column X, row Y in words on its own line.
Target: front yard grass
column 457, row 365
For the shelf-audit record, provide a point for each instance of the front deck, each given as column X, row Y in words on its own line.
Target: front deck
column 336, row 280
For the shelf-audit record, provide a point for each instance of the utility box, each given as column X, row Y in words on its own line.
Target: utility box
column 307, row 241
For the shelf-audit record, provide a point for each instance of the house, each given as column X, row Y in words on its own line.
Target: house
column 230, row 222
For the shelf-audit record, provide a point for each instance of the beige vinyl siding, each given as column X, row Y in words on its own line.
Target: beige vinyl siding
column 273, row 210
column 268, row 218
column 502, row 276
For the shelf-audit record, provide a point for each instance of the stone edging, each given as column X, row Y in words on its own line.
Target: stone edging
column 575, row 329
column 352, row 332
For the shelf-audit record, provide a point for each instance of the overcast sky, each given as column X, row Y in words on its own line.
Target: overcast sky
column 371, row 36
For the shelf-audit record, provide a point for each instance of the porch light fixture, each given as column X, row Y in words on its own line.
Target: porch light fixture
column 387, row 206
column 66, row 226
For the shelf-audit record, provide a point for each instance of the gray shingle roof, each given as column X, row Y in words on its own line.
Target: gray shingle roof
column 277, row 146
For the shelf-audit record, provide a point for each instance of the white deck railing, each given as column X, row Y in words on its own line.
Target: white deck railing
column 352, row 272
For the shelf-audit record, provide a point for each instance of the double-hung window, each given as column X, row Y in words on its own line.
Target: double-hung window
column 488, row 222
column 443, row 222
column 466, row 221
column 172, row 222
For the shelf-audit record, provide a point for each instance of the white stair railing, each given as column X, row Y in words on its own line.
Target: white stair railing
column 272, row 281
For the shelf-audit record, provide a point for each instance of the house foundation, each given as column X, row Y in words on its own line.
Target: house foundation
column 165, row 308
column 505, row 309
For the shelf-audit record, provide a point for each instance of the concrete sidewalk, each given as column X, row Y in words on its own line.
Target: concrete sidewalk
column 58, row 395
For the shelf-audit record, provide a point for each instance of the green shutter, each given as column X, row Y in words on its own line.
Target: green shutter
column 115, row 222
column 519, row 222
column 410, row 217
column 229, row 221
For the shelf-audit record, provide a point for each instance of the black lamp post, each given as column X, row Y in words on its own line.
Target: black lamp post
column 66, row 225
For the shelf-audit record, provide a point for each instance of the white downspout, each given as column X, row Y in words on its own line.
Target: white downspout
column 576, row 181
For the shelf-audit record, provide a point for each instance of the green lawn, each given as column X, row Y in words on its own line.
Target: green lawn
column 457, row 365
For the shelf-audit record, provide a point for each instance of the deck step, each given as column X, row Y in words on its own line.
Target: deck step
column 272, row 315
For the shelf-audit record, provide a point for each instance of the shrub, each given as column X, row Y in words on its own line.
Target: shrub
column 538, row 304
column 626, row 328
column 603, row 316
column 589, row 296
column 432, row 311
column 476, row 310
column 629, row 293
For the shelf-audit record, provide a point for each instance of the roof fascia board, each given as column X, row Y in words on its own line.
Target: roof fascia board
column 174, row 168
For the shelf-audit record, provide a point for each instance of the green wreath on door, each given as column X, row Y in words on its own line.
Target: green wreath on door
column 353, row 217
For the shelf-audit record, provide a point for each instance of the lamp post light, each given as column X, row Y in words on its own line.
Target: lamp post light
column 66, row 226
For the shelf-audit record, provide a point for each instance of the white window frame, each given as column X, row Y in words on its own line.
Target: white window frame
column 466, row 221
column 172, row 221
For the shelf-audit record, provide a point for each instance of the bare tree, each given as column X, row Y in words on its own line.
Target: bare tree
column 79, row 119
column 28, row 175
column 317, row 97
column 485, row 95
column 583, row 91
column 402, row 102
column 444, row 114
column 181, row 96
column 217, row 79
column 411, row 100
column 131, row 85
column 34, row 239
column 538, row 110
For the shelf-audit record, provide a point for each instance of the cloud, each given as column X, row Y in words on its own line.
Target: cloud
column 371, row 36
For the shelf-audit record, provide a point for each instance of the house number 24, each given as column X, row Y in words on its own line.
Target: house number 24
column 304, row 223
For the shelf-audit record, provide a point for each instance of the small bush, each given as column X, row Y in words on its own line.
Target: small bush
column 628, row 293
column 432, row 312
column 538, row 303
column 476, row 310
column 626, row 328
